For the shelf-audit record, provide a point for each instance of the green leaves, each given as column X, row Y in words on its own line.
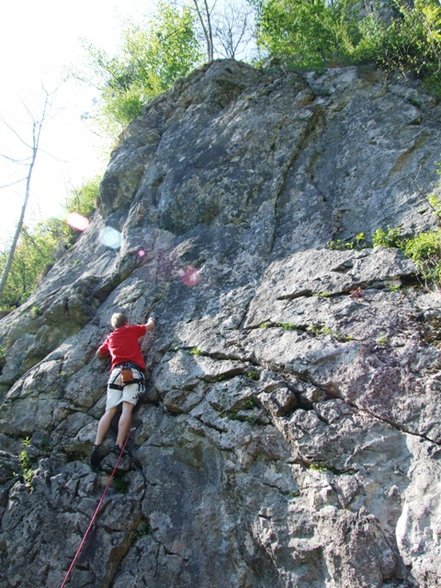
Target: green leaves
column 34, row 254
column 83, row 200
column 38, row 247
column 390, row 237
column 317, row 33
column 411, row 42
column 303, row 34
column 150, row 60
column 425, row 251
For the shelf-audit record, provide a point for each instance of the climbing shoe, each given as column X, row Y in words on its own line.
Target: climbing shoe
column 122, row 458
column 97, row 456
column 121, row 452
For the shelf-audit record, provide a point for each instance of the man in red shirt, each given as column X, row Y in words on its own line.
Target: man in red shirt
column 126, row 382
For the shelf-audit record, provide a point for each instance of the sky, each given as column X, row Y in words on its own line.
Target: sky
column 40, row 41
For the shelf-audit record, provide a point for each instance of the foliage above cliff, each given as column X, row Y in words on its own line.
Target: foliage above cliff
column 149, row 61
column 298, row 34
column 394, row 35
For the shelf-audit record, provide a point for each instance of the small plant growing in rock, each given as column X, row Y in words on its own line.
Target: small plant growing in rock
column 35, row 311
column 382, row 339
column 435, row 204
column 339, row 245
column 253, row 375
column 250, row 403
column 423, row 249
column 388, row 237
column 318, row 467
column 394, row 287
column 358, row 242
column 319, row 329
column 287, row 326
column 196, row 352
column 425, row 252
column 26, row 471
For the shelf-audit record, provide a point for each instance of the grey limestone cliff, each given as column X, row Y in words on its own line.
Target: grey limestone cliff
column 291, row 432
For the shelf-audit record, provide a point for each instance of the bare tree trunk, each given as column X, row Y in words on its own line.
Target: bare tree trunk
column 205, row 20
column 37, row 126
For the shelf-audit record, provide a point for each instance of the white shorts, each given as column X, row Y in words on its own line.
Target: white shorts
column 129, row 393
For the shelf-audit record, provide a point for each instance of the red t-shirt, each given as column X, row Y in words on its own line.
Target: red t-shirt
column 123, row 345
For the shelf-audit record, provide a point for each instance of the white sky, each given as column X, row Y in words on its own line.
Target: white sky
column 40, row 40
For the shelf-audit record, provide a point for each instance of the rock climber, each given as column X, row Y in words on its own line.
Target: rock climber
column 126, row 383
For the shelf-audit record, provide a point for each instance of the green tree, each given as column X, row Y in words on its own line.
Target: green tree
column 83, row 199
column 33, row 146
column 317, row 33
column 149, row 61
column 307, row 34
column 410, row 43
column 35, row 251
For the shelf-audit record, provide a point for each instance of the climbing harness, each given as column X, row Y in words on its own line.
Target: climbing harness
column 128, row 373
column 95, row 514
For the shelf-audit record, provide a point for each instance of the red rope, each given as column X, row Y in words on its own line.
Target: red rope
column 95, row 515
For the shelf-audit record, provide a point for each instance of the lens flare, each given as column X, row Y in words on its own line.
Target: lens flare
column 110, row 237
column 189, row 276
column 77, row 221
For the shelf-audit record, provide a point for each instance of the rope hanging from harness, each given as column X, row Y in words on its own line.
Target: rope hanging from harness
column 95, row 514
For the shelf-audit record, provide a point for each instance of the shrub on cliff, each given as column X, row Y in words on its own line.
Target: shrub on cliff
column 410, row 43
column 149, row 61
column 320, row 33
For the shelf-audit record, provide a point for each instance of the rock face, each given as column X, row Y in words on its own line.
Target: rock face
column 291, row 432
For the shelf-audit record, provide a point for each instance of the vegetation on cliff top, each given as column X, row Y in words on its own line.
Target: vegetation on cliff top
column 394, row 34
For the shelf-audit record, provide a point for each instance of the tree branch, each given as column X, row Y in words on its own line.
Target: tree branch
column 37, row 127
